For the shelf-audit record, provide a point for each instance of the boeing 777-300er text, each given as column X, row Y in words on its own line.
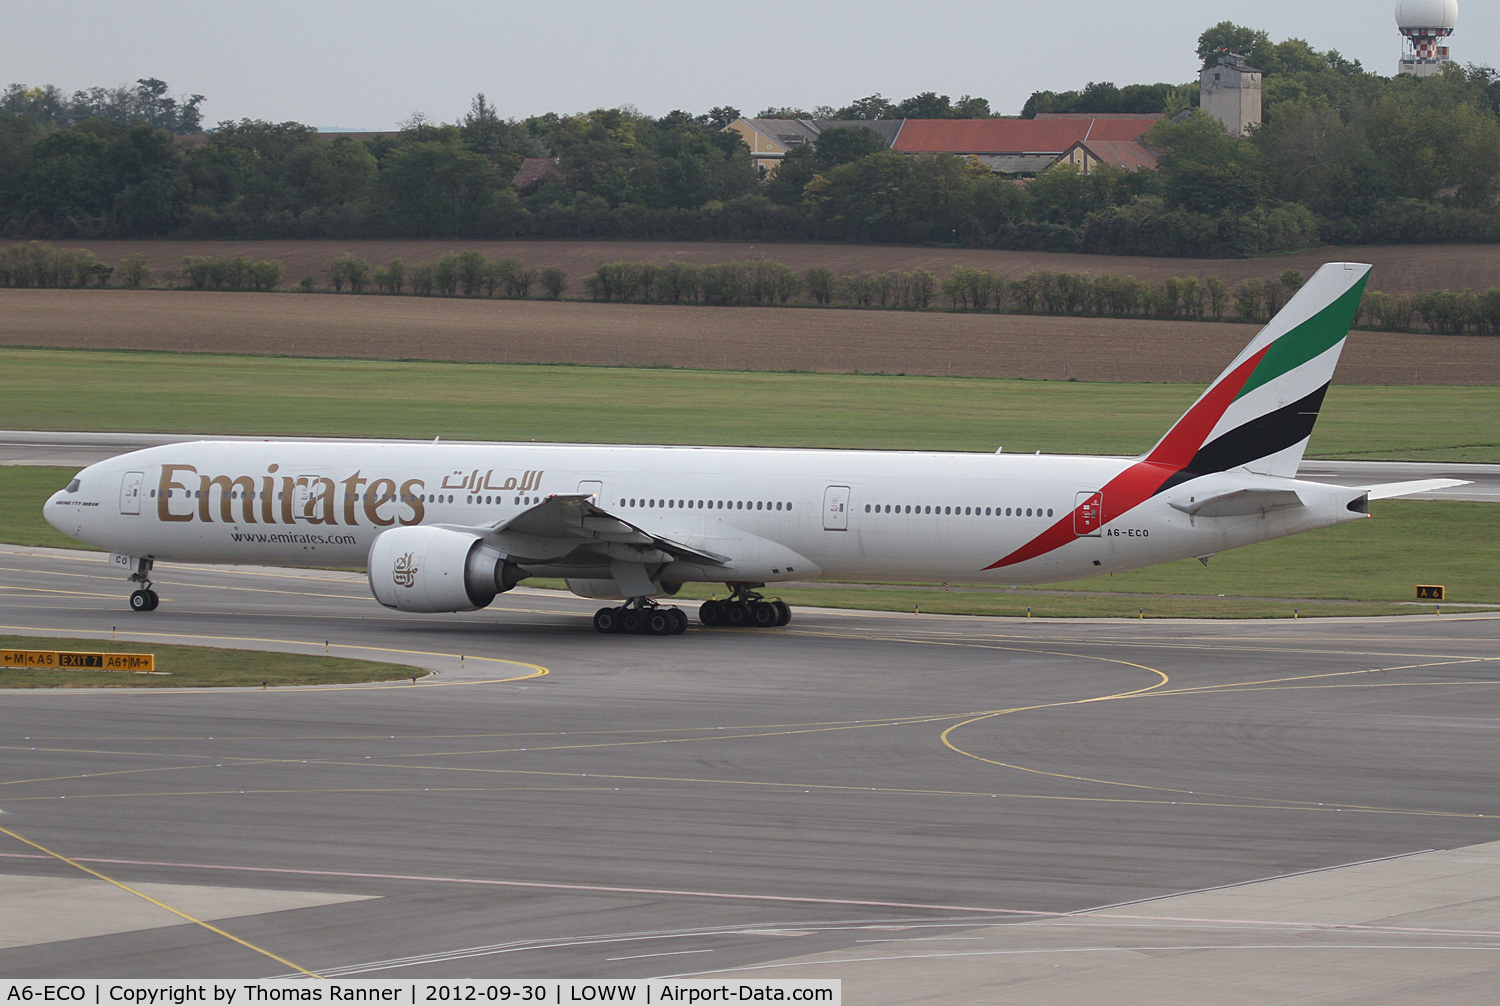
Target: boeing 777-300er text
column 447, row 527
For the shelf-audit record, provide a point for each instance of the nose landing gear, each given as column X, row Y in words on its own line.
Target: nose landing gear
column 144, row 598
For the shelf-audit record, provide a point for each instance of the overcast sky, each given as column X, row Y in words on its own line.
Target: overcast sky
column 368, row 65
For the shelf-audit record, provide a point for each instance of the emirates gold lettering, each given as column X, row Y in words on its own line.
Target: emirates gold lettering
column 164, row 488
column 320, row 500
column 285, row 499
column 268, row 495
column 411, row 496
column 378, row 495
column 351, row 490
column 478, row 482
column 288, row 492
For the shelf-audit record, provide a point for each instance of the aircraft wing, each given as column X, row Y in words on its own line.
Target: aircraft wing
column 570, row 520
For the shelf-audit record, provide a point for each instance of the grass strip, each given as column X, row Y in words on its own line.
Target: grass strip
column 187, row 393
column 23, row 491
column 196, row 667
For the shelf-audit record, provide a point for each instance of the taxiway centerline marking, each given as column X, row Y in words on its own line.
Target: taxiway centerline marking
column 159, row 904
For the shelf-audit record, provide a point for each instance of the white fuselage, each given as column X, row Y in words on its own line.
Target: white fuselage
column 851, row 514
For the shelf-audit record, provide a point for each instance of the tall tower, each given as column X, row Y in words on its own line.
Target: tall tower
column 1229, row 90
column 1425, row 23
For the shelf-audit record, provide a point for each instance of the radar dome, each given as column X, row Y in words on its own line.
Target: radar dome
column 1441, row 15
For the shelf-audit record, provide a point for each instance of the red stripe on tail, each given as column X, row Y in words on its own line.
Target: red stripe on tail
column 1140, row 481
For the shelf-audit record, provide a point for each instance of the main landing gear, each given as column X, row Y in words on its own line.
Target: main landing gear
column 745, row 609
column 641, row 618
column 143, row 599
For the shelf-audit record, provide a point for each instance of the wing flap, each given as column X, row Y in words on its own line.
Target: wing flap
column 573, row 520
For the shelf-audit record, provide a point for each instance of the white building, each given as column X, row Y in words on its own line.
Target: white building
column 1230, row 92
column 1425, row 23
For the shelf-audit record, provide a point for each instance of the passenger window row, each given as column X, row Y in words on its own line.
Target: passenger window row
column 381, row 497
column 959, row 511
column 498, row 500
column 655, row 504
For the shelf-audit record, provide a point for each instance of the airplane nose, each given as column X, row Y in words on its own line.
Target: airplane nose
column 52, row 512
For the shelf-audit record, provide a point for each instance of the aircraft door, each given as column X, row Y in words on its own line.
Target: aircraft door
column 1088, row 515
column 302, row 497
column 130, row 492
column 594, row 489
column 836, row 508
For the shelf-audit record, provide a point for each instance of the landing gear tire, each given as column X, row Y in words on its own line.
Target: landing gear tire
column 745, row 609
column 144, row 600
column 642, row 621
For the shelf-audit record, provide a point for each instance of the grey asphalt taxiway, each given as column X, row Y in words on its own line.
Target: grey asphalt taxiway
column 935, row 809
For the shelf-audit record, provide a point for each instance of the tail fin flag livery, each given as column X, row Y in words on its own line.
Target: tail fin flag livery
column 1259, row 413
column 446, row 527
column 1257, row 416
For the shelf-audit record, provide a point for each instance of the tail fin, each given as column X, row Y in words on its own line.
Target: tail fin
column 1260, row 412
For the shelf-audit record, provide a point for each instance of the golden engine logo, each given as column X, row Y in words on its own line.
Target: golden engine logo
column 405, row 570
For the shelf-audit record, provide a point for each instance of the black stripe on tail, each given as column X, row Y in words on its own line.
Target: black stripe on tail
column 1262, row 436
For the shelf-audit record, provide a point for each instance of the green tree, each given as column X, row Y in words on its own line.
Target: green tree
column 430, row 189
column 722, row 115
column 1226, row 36
column 553, row 282
column 1204, row 169
column 872, row 107
column 832, row 148
column 135, row 270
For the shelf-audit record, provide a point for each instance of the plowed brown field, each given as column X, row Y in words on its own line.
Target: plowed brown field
column 1398, row 269
column 1050, row 348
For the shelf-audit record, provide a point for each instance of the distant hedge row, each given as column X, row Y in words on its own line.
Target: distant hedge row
column 465, row 274
column 765, row 282
column 963, row 289
column 38, row 264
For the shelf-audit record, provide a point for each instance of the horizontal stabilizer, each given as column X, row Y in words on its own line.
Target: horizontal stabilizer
column 1390, row 490
column 1239, row 503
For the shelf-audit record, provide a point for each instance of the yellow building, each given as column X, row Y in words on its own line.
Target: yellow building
column 770, row 140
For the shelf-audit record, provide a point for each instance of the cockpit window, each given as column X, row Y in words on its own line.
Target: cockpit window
column 73, row 486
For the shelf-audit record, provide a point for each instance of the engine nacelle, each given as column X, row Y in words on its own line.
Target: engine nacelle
column 608, row 590
column 431, row 569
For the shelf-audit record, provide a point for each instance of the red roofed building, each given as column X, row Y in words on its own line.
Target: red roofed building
column 1026, row 146
column 1132, row 155
column 1012, row 146
column 534, row 171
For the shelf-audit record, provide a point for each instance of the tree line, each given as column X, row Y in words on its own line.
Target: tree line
column 763, row 282
column 1344, row 156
